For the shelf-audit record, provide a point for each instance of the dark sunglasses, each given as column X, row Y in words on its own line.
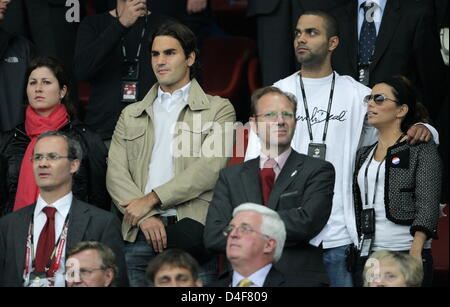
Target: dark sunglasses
column 377, row 98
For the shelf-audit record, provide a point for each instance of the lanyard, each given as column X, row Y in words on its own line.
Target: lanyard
column 124, row 51
column 57, row 250
column 305, row 103
column 366, row 184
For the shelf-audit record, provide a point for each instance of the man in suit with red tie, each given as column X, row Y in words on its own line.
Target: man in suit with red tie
column 34, row 240
column 298, row 187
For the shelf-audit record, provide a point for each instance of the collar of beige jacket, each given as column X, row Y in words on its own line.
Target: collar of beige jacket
column 197, row 100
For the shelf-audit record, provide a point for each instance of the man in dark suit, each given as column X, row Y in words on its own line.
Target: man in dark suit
column 275, row 22
column 401, row 39
column 256, row 236
column 33, row 240
column 298, row 187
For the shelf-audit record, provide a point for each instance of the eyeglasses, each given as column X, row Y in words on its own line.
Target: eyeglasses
column 86, row 273
column 377, row 98
column 273, row 116
column 52, row 157
column 242, row 229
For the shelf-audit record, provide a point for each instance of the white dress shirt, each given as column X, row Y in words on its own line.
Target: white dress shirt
column 166, row 110
column 62, row 206
column 377, row 16
column 388, row 235
column 257, row 278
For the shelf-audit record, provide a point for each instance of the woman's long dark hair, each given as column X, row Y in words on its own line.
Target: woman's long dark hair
column 405, row 93
column 57, row 68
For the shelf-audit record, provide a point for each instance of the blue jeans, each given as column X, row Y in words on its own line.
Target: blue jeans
column 138, row 255
column 336, row 266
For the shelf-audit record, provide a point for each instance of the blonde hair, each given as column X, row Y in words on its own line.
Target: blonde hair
column 411, row 269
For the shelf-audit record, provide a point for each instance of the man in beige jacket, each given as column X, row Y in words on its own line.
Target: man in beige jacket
column 166, row 153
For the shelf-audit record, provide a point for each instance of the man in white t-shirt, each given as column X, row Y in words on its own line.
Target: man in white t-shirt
column 321, row 91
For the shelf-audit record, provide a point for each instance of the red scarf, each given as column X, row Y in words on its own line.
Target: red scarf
column 35, row 125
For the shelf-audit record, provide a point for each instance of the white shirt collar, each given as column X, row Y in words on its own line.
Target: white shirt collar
column 381, row 4
column 62, row 205
column 184, row 91
column 257, row 278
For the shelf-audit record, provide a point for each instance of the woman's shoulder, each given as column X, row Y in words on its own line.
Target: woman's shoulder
column 79, row 129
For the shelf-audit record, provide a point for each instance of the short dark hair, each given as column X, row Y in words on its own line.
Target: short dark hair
column 331, row 24
column 57, row 68
column 74, row 150
column 185, row 37
column 104, row 252
column 173, row 257
column 256, row 96
column 405, row 93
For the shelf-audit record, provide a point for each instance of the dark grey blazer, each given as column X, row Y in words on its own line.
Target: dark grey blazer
column 407, row 44
column 302, row 195
column 412, row 188
column 86, row 223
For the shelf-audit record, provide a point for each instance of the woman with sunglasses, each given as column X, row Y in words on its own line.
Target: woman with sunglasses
column 49, row 108
column 397, row 185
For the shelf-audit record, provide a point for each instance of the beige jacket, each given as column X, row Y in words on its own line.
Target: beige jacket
column 203, row 123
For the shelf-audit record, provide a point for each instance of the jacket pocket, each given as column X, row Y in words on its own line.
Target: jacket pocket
column 289, row 200
column 189, row 139
column 134, row 138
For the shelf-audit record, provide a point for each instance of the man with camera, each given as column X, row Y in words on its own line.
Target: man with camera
column 112, row 55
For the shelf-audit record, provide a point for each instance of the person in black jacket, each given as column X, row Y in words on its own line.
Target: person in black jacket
column 49, row 109
column 397, row 185
column 108, row 46
column 15, row 53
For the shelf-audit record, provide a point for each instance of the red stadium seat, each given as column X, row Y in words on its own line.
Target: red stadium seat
column 224, row 62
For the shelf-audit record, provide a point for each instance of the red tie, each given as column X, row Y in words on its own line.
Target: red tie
column 46, row 242
column 267, row 178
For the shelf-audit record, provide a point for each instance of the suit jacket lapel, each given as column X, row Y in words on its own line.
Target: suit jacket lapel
column 391, row 18
column 274, row 278
column 250, row 180
column 21, row 236
column 78, row 222
column 287, row 175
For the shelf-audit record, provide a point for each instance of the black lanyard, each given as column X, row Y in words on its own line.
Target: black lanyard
column 305, row 103
column 366, row 184
column 124, row 51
